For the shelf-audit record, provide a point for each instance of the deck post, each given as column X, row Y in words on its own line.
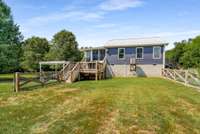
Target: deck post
column 91, row 55
column 79, row 74
column 99, row 55
column 96, row 78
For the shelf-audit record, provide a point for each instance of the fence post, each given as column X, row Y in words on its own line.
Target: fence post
column 17, row 81
column 186, row 77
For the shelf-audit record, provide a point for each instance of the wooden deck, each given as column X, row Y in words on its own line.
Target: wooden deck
column 83, row 70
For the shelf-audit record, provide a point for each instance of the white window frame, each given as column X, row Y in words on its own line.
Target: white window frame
column 142, row 52
column 160, row 52
column 124, row 53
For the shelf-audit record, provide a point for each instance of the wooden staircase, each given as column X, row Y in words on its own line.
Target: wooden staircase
column 81, row 70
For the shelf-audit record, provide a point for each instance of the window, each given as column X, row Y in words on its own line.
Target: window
column 87, row 55
column 102, row 54
column 121, row 53
column 95, row 55
column 139, row 53
column 156, row 52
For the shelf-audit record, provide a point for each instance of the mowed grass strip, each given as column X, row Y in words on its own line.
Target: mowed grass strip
column 132, row 105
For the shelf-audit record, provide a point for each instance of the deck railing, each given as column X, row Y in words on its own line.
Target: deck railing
column 91, row 67
column 71, row 72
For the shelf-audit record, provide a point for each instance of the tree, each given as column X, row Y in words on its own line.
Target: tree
column 9, row 32
column 10, row 41
column 64, row 47
column 9, row 58
column 35, row 49
column 174, row 56
column 191, row 57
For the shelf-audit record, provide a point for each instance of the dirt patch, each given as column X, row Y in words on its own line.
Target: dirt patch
column 109, row 124
column 67, row 107
column 137, row 130
column 21, row 98
column 145, row 132
column 186, row 105
column 67, row 90
column 11, row 101
column 18, row 99
column 179, row 129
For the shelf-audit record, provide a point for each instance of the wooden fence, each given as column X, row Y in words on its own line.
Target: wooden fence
column 182, row 76
column 21, row 79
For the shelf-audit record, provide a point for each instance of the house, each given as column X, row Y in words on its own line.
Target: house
column 130, row 57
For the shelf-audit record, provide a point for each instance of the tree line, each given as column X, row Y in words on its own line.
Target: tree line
column 186, row 54
column 17, row 54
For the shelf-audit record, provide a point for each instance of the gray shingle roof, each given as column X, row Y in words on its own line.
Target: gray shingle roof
column 152, row 41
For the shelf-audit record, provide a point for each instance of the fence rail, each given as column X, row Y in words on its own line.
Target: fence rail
column 182, row 76
column 21, row 79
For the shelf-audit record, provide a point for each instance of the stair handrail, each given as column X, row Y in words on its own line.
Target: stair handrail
column 75, row 68
column 61, row 72
column 104, row 63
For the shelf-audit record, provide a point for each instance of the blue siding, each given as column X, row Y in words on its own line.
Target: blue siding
column 113, row 51
column 130, row 50
column 112, row 56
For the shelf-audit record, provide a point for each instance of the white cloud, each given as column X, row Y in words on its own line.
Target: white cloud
column 183, row 33
column 60, row 16
column 120, row 4
column 30, row 7
column 105, row 25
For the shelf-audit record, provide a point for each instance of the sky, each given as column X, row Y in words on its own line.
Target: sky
column 94, row 22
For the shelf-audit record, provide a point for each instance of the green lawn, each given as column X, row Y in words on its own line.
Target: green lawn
column 132, row 105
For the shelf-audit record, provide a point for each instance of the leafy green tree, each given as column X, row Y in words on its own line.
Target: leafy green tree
column 174, row 56
column 191, row 57
column 64, row 47
column 10, row 41
column 35, row 49
column 9, row 58
column 9, row 32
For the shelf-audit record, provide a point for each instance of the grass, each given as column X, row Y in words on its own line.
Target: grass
column 132, row 105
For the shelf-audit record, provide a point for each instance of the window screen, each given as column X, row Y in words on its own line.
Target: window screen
column 121, row 53
column 139, row 53
column 156, row 52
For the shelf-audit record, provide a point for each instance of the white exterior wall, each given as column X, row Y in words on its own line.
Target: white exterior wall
column 141, row 70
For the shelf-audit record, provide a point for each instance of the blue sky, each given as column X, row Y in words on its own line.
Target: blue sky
column 96, row 21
